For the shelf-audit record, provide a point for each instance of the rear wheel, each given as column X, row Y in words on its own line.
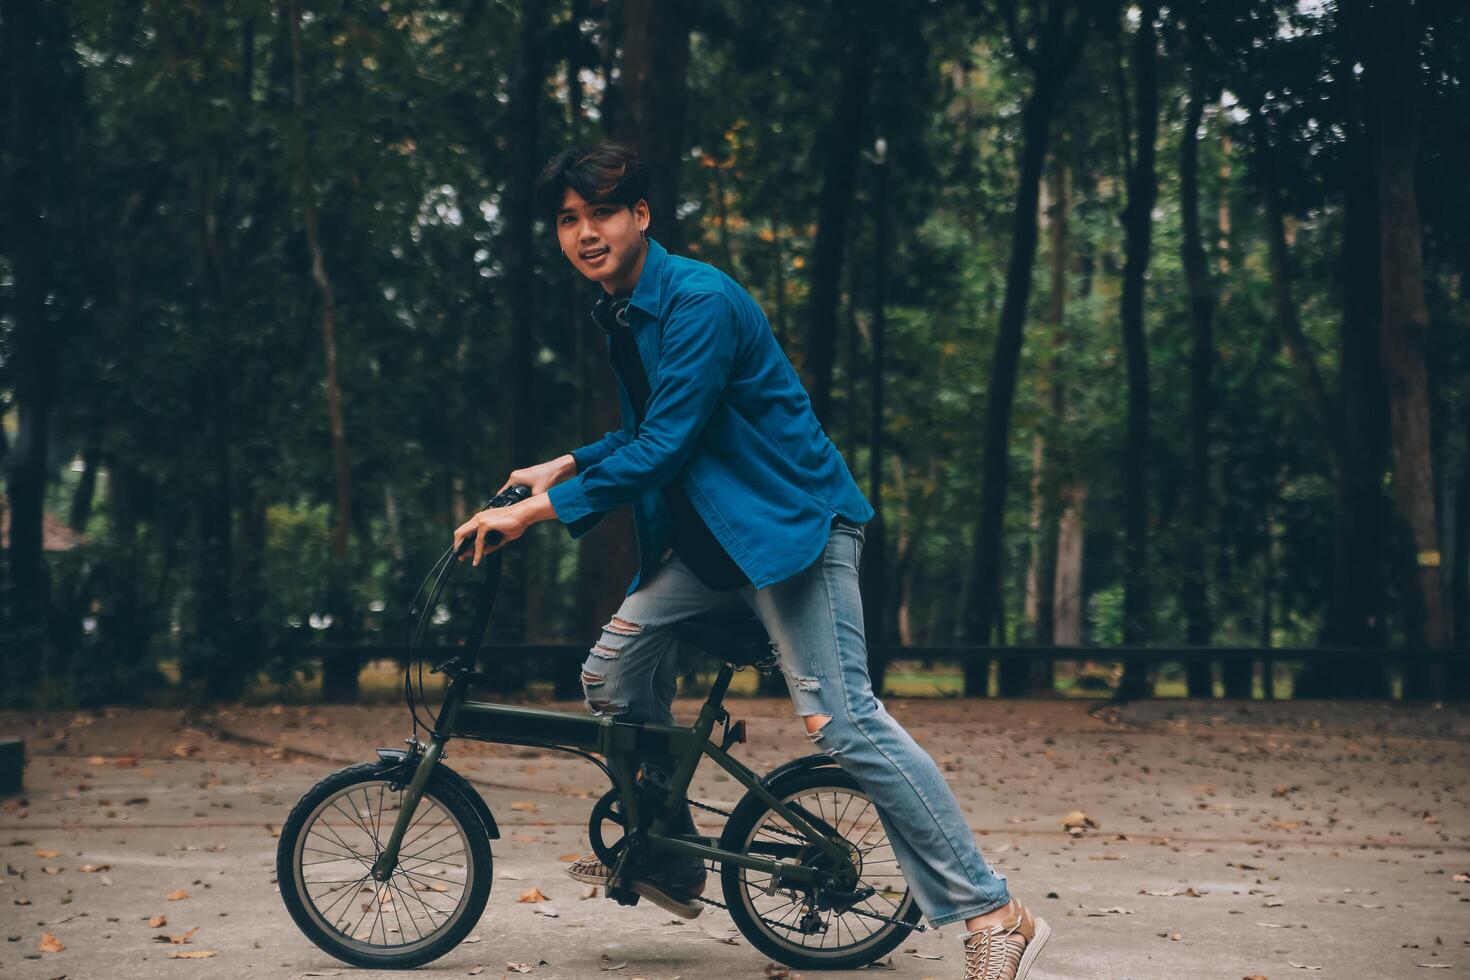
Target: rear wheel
column 785, row 923
column 435, row 895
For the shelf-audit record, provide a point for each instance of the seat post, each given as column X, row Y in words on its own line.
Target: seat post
column 721, row 685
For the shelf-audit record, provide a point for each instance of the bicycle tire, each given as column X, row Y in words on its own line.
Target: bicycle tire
column 407, row 885
column 747, row 821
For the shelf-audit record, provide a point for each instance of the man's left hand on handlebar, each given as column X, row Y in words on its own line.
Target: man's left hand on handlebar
column 505, row 523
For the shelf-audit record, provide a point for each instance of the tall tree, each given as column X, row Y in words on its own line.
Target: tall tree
column 518, row 415
column 651, row 103
column 339, row 671
column 1142, row 182
column 1388, row 38
column 1047, row 40
column 840, row 144
column 1201, row 364
column 42, row 107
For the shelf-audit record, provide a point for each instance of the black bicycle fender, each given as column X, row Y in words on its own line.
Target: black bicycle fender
column 394, row 759
column 816, row 760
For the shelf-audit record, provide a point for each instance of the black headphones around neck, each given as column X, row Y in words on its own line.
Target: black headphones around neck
column 611, row 312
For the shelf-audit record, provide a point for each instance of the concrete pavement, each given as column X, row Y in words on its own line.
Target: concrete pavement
column 1282, row 840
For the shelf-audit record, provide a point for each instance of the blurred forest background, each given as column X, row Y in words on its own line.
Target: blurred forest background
column 1147, row 322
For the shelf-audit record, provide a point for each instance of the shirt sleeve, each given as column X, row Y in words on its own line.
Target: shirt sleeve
column 595, row 452
column 696, row 356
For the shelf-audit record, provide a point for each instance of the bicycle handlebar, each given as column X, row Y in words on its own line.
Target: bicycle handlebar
column 513, row 494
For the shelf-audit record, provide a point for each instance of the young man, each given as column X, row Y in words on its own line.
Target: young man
column 740, row 500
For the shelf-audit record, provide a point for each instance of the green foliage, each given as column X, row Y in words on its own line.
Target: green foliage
column 194, row 363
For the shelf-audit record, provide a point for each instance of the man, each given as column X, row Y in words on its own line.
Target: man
column 740, row 500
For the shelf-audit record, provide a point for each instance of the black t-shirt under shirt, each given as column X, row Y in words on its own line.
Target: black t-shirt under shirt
column 692, row 540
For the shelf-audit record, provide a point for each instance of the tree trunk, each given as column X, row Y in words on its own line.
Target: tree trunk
column 1193, row 586
column 1071, row 602
column 86, row 490
column 1387, row 37
column 875, row 548
column 844, row 135
column 339, row 671
column 1356, row 606
column 1056, row 54
column 651, row 103
column 1043, row 672
column 1138, row 229
column 35, row 44
column 520, row 410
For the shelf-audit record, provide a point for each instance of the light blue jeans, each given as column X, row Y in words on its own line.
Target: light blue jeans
column 815, row 621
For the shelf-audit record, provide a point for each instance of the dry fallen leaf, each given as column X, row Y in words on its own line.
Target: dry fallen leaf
column 1302, row 966
column 158, row 922
column 177, row 896
column 176, row 940
column 776, row 971
column 532, row 894
column 1078, row 822
column 523, row 805
column 126, row 762
column 191, row 954
column 568, row 857
column 48, row 854
column 89, row 868
column 608, row 964
column 50, row 944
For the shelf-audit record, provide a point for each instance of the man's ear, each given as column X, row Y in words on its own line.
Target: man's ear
column 643, row 214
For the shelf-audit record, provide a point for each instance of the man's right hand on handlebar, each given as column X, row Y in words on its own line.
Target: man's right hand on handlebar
column 543, row 476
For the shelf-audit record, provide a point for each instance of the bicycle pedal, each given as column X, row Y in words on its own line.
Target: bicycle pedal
column 624, row 895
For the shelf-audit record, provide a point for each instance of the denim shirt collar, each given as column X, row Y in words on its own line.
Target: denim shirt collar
column 648, row 294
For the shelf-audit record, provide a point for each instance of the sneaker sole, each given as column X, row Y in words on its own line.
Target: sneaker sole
column 1033, row 948
column 689, row 910
column 590, row 879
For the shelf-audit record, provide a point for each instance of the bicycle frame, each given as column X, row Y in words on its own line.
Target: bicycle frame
column 617, row 741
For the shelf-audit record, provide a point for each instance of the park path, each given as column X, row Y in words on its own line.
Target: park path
column 1280, row 840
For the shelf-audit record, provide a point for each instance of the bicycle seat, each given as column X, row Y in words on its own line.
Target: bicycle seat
column 739, row 642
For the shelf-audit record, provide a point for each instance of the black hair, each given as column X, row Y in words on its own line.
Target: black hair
column 608, row 173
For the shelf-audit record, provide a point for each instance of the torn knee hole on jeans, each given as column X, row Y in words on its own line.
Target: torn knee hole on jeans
column 605, row 651
column 622, row 627
column 814, row 725
column 604, row 706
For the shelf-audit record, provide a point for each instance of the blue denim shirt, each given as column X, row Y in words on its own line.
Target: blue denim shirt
column 728, row 416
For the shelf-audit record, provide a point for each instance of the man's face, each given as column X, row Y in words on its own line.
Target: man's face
column 603, row 241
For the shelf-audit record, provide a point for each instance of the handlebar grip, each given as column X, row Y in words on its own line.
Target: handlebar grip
column 513, row 494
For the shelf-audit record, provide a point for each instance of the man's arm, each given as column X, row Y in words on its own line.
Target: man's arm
column 695, row 360
column 596, row 452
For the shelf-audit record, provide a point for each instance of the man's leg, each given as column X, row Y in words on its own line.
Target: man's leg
column 815, row 619
column 633, row 671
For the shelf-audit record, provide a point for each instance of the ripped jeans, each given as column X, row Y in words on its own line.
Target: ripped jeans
column 815, row 621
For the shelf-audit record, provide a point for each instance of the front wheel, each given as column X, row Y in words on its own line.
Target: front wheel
column 435, row 895
column 784, row 922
